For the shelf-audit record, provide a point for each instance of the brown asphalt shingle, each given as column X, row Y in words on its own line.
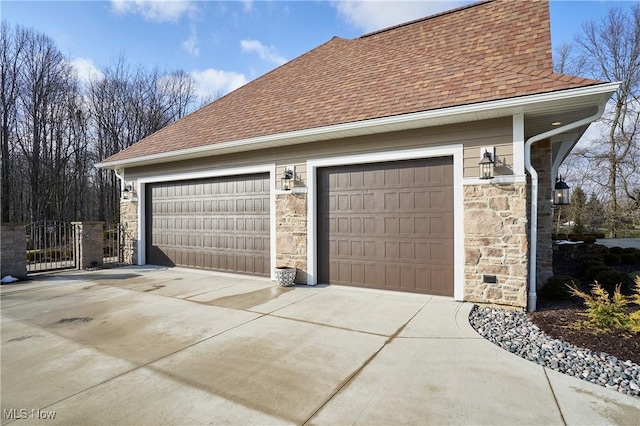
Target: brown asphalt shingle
column 487, row 51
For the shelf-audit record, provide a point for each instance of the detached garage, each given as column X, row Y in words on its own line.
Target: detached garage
column 218, row 223
column 357, row 163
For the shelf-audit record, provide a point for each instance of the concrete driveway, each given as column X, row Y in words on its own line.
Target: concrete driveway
column 174, row 346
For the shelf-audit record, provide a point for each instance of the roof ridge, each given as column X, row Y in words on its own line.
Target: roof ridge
column 426, row 18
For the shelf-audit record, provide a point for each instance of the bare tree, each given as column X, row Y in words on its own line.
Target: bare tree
column 565, row 60
column 12, row 44
column 54, row 129
column 609, row 50
column 125, row 106
column 37, row 79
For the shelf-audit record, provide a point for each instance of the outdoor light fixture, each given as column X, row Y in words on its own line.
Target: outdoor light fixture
column 287, row 176
column 127, row 192
column 486, row 165
column 561, row 193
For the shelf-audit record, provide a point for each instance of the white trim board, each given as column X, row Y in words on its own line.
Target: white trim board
column 438, row 117
column 232, row 171
column 455, row 150
column 497, row 180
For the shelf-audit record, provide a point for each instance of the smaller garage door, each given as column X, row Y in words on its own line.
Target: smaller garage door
column 387, row 225
column 220, row 224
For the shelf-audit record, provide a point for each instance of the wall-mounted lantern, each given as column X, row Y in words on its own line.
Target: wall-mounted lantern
column 561, row 193
column 287, row 177
column 127, row 192
column 486, row 164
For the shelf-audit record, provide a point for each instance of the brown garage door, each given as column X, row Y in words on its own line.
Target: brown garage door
column 387, row 225
column 219, row 223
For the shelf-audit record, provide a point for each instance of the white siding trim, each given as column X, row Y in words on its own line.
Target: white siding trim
column 232, row 171
column 455, row 150
column 142, row 230
column 518, row 144
column 451, row 115
column 497, row 180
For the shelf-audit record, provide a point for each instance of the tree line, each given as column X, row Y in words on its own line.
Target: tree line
column 607, row 166
column 55, row 127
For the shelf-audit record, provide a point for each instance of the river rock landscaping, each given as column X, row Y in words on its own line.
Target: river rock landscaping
column 556, row 337
column 514, row 332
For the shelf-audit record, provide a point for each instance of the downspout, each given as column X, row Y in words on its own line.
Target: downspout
column 120, row 175
column 533, row 241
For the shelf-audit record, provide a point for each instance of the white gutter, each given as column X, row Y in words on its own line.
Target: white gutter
column 533, row 241
column 120, row 175
column 500, row 108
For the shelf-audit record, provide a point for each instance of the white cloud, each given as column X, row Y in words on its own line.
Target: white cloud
column 86, row 70
column 267, row 53
column 375, row 15
column 212, row 83
column 191, row 44
column 154, row 10
column 248, row 5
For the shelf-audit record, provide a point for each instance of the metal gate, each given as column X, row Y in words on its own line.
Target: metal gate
column 50, row 246
column 113, row 246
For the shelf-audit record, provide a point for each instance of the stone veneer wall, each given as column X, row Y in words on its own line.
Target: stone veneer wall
column 291, row 233
column 129, row 221
column 496, row 243
column 541, row 161
column 89, row 244
column 13, row 250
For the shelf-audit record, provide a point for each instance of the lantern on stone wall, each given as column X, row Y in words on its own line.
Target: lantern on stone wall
column 486, row 165
column 287, row 176
column 561, row 193
column 127, row 192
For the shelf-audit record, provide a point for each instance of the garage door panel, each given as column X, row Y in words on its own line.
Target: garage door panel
column 218, row 223
column 387, row 225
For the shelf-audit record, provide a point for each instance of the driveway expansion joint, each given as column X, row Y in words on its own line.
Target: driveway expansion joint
column 357, row 372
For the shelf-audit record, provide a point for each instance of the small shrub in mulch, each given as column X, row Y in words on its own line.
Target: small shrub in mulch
column 589, row 239
column 557, row 287
column 606, row 310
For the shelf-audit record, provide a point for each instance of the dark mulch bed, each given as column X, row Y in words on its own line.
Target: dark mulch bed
column 559, row 319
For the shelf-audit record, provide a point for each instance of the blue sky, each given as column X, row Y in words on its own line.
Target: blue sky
column 225, row 44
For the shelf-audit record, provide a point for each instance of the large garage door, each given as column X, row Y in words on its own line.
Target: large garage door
column 387, row 225
column 219, row 223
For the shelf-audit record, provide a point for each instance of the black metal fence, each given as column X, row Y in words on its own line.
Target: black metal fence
column 50, row 246
column 113, row 244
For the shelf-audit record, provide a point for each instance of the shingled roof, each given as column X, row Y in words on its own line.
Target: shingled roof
column 482, row 52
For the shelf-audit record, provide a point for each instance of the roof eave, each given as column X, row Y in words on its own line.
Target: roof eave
column 443, row 116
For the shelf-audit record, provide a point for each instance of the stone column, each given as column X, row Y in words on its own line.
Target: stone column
column 13, row 250
column 496, row 245
column 291, row 233
column 541, row 161
column 129, row 222
column 89, row 244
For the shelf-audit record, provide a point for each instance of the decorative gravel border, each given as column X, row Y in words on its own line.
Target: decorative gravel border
column 514, row 332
